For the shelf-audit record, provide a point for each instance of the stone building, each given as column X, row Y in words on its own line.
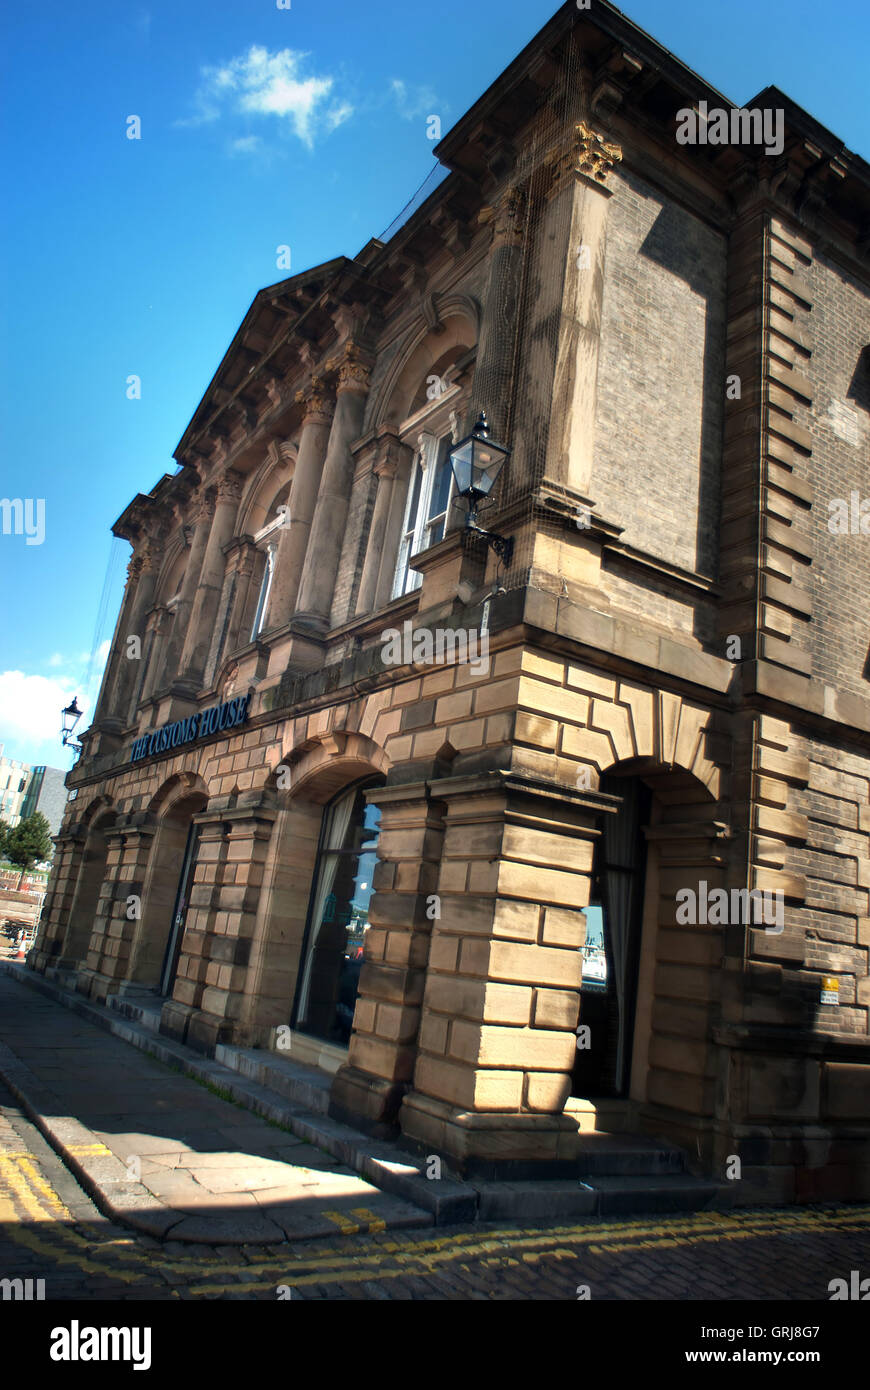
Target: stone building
column 14, row 777
column 482, row 882
column 46, row 793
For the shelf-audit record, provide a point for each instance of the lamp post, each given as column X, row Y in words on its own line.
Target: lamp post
column 70, row 716
column 476, row 462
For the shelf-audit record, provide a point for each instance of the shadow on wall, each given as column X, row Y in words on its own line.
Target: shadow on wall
column 672, row 243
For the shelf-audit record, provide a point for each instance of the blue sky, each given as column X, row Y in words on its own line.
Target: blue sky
column 260, row 127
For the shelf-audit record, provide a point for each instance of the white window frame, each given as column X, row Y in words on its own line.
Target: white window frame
column 267, row 541
column 441, row 423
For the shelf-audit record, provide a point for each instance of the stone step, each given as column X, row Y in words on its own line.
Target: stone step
column 600, row 1196
column 603, row 1116
column 303, row 1085
column 626, row 1155
column 145, row 1012
column 662, row 1193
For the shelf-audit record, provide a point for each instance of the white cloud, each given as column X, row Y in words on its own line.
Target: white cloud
column 413, row 102
column 248, row 144
column 260, row 83
column 30, row 706
column 30, row 709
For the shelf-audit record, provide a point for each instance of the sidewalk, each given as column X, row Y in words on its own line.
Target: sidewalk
column 161, row 1152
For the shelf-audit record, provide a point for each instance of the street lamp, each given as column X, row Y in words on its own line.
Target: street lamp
column 71, row 716
column 476, row 462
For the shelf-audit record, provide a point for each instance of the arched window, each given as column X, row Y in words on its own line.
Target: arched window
column 338, row 916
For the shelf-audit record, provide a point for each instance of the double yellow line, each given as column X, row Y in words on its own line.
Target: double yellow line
column 500, row 1248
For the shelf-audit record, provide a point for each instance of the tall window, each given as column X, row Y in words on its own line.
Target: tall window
column 338, row 916
column 267, row 542
column 429, row 495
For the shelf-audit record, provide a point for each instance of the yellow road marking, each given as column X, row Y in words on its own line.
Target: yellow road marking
column 528, row 1246
column 338, row 1218
column 374, row 1223
column 27, row 1167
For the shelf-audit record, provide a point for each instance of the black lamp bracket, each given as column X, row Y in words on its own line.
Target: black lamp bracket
column 502, row 545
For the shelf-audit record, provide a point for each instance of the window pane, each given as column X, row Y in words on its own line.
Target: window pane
column 594, row 955
column 435, row 532
column 442, row 480
column 415, row 496
column 339, row 918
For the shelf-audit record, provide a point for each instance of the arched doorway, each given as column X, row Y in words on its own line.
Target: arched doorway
column 89, row 885
column 333, row 944
column 651, row 983
column 167, row 892
column 611, row 955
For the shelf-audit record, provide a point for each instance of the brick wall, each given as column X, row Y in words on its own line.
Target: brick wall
column 660, row 377
column 840, row 425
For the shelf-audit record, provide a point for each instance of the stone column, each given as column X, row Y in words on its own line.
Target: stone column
column 128, row 668
column 105, row 710
column 383, row 1047
column 106, row 959
column 200, row 629
column 576, row 221
column 330, row 514
column 382, row 546
column 239, row 627
column 208, row 994
column 239, row 557
column 497, row 1037
column 492, row 389
column 293, row 542
column 203, row 513
column 158, row 627
column 125, row 918
column 48, row 946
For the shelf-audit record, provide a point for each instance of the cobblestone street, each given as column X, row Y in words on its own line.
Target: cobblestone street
column 50, row 1229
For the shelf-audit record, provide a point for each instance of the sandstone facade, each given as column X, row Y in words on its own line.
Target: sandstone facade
column 674, row 342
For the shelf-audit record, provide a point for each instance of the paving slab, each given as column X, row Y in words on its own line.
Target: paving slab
column 160, row 1153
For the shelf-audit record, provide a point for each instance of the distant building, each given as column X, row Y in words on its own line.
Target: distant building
column 46, row 792
column 14, row 778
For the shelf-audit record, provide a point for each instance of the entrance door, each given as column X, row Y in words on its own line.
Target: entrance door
column 179, row 913
column 612, row 952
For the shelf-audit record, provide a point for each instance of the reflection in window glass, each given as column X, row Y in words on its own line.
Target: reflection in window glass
column 594, row 954
column 338, row 918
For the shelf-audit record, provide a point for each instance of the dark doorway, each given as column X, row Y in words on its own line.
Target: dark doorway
column 332, row 955
column 612, row 952
column 179, row 913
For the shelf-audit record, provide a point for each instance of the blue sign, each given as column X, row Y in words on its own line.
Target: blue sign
column 196, row 726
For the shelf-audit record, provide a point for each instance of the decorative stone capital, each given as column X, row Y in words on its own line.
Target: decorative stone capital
column 391, row 454
column 203, row 505
column 586, row 153
column 135, row 566
column 317, row 401
column 353, row 368
column 507, row 218
column 229, row 487
column 152, row 555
